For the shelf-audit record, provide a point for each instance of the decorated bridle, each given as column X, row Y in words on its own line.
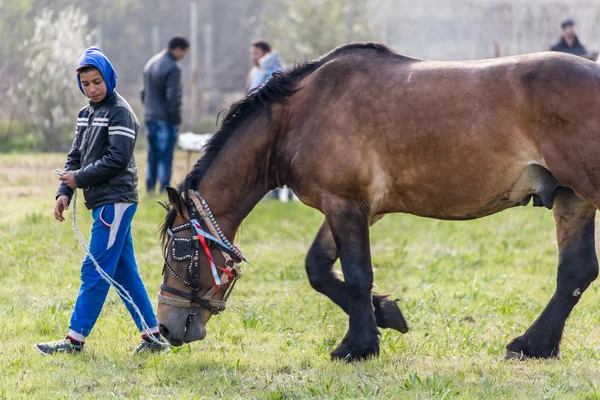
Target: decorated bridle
column 188, row 248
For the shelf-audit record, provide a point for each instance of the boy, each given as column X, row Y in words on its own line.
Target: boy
column 101, row 162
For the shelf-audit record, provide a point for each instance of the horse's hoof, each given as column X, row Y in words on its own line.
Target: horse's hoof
column 360, row 352
column 523, row 347
column 513, row 355
column 388, row 314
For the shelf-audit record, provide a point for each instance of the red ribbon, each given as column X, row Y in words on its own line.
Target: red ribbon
column 213, row 266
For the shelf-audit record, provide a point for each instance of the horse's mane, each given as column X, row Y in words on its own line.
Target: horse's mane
column 280, row 86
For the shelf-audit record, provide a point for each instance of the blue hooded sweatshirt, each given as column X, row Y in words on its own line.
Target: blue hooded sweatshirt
column 93, row 57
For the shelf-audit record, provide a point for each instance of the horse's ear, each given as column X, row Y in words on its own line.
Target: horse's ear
column 175, row 200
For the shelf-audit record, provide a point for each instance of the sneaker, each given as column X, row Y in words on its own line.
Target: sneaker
column 148, row 346
column 58, row 346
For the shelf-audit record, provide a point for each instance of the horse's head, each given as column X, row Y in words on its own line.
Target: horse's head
column 200, row 269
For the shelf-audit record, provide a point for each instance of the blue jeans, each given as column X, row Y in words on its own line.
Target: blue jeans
column 162, row 137
column 111, row 245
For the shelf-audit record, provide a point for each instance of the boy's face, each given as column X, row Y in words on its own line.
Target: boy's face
column 93, row 85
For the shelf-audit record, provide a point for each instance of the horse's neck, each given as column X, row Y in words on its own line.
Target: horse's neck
column 237, row 179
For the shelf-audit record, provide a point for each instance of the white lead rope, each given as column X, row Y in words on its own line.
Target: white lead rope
column 124, row 294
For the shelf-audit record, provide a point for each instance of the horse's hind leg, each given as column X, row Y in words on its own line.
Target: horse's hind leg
column 319, row 266
column 577, row 268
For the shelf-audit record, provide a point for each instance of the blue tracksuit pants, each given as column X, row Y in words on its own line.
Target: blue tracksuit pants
column 111, row 245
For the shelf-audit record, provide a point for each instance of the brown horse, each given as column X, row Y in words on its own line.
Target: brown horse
column 363, row 132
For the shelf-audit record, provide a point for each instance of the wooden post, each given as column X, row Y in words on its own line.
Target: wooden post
column 349, row 21
column 99, row 36
column 208, row 64
column 193, row 108
column 155, row 39
column 383, row 21
column 495, row 28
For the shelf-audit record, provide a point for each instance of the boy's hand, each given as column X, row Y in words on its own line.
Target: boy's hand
column 62, row 204
column 69, row 178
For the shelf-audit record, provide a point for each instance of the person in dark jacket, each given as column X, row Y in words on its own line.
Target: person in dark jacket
column 569, row 42
column 161, row 97
column 101, row 163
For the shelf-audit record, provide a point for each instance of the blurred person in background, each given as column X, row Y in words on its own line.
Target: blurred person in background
column 265, row 62
column 569, row 42
column 161, row 96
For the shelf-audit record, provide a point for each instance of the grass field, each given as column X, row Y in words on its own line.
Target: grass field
column 466, row 289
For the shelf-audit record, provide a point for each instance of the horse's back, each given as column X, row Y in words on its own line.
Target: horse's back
column 443, row 139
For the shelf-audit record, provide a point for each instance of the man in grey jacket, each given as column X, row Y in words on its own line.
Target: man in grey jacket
column 161, row 97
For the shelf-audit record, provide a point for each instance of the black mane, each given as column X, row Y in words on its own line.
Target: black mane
column 277, row 89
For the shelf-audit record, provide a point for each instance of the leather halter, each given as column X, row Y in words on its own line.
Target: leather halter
column 201, row 220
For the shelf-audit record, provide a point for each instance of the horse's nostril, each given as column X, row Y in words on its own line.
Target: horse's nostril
column 164, row 331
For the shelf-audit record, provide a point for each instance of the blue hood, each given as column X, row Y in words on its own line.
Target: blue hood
column 93, row 57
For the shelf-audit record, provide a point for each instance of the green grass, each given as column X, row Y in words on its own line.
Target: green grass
column 274, row 339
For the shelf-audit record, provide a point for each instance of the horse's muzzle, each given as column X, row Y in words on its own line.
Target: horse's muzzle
column 178, row 326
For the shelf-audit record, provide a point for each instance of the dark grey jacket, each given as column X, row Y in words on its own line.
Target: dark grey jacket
column 577, row 49
column 102, row 153
column 161, row 94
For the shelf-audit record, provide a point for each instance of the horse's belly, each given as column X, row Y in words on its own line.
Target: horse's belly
column 473, row 198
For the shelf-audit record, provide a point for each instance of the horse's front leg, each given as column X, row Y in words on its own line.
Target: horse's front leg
column 577, row 268
column 349, row 223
